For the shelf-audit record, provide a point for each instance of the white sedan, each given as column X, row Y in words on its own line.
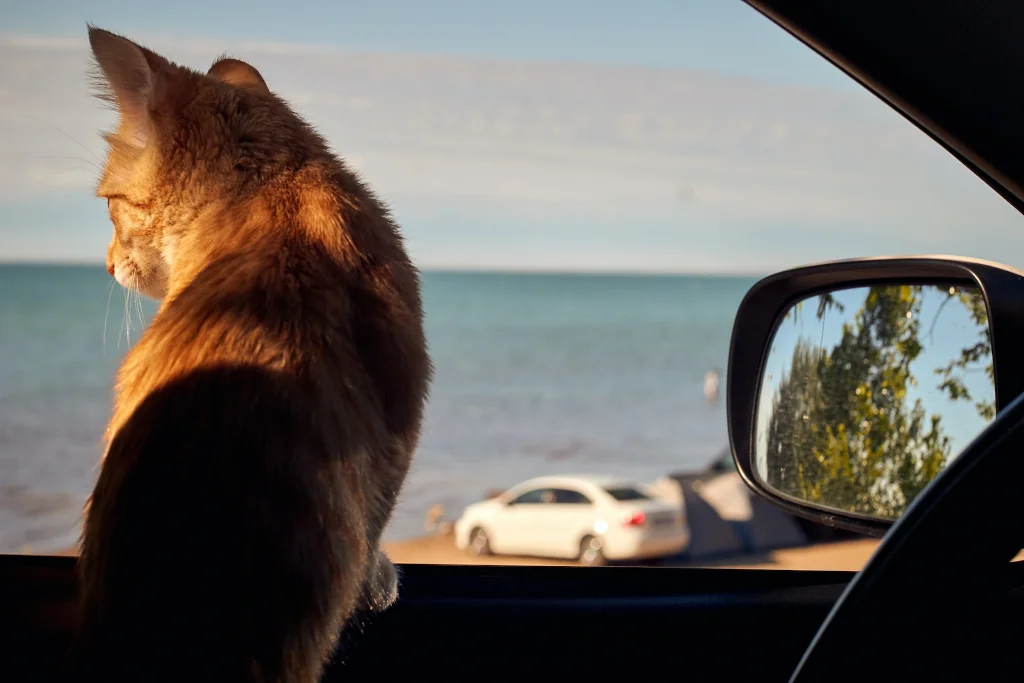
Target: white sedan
column 588, row 518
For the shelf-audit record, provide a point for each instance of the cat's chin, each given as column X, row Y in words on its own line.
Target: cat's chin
column 156, row 294
column 130, row 276
column 153, row 288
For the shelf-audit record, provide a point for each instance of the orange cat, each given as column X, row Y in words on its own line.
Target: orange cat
column 265, row 421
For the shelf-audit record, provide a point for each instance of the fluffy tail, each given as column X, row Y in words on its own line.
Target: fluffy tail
column 225, row 539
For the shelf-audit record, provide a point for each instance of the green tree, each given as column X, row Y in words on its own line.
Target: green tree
column 970, row 356
column 842, row 432
column 792, row 431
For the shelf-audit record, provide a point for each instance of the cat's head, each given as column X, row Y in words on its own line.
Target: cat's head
column 186, row 143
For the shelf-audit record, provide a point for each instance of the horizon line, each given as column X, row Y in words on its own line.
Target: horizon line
column 495, row 270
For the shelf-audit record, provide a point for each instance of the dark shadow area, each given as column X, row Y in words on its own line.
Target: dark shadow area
column 710, row 535
column 198, row 519
column 715, row 538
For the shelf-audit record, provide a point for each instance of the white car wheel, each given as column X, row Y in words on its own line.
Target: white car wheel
column 479, row 543
column 592, row 552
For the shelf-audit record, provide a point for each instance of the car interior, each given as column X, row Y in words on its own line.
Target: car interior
column 914, row 612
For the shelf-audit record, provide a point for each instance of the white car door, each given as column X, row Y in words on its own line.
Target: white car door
column 568, row 520
column 517, row 525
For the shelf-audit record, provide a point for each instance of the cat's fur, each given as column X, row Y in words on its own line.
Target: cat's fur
column 265, row 421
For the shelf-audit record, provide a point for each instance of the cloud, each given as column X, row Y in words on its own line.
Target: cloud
column 551, row 143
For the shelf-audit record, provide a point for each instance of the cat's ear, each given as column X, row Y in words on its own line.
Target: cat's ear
column 239, row 74
column 128, row 80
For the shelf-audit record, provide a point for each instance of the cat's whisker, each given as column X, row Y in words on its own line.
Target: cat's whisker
column 71, row 158
column 129, row 305
column 138, row 309
column 69, row 137
column 106, row 316
column 135, row 305
column 124, row 317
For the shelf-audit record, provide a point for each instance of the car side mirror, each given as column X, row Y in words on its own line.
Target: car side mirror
column 852, row 384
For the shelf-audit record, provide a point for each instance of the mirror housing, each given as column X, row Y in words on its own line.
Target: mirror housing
column 769, row 301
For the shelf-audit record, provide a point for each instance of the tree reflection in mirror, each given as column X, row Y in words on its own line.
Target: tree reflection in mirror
column 868, row 392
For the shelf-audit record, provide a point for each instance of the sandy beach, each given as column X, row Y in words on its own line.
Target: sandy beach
column 440, row 549
column 836, row 556
column 841, row 555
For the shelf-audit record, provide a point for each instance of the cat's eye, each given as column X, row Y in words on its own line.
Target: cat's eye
column 122, row 198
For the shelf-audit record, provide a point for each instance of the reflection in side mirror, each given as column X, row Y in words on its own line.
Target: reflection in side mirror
column 867, row 393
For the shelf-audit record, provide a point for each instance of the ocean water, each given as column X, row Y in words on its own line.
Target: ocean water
column 535, row 374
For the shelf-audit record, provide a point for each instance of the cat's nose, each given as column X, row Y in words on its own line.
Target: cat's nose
column 110, row 268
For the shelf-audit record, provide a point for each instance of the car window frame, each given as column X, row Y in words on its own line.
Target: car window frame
column 644, row 496
column 517, row 499
column 568, row 489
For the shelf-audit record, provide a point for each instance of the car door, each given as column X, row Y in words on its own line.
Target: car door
column 517, row 525
column 566, row 521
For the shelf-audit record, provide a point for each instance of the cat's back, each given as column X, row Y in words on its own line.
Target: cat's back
column 311, row 280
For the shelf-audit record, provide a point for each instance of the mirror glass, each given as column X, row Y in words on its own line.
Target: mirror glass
column 868, row 393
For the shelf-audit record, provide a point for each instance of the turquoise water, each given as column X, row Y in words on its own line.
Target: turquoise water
column 536, row 374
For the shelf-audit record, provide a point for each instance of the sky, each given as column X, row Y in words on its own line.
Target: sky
column 536, row 135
